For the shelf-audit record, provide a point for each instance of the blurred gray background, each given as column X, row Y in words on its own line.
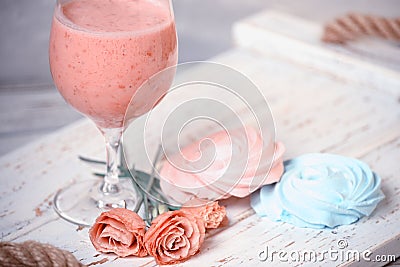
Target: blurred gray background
column 31, row 107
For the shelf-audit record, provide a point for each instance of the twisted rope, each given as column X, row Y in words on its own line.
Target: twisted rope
column 354, row 25
column 35, row 254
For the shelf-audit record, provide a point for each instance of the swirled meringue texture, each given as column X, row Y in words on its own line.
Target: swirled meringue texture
column 241, row 165
column 320, row 191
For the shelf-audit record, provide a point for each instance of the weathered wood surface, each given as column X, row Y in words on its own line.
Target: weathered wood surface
column 314, row 110
column 29, row 111
column 369, row 62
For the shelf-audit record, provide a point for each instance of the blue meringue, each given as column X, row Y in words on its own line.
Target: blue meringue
column 320, row 190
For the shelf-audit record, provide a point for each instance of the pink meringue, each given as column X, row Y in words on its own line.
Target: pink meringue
column 241, row 164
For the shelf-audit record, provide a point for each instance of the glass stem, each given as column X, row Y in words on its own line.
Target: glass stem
column 112, row 138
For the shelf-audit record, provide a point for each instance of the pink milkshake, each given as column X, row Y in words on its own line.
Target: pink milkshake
column 101, row 52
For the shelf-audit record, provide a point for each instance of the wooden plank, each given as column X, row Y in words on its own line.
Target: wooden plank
column 369, row 63
column 28, row 111
column 319, row 113
column 42, row 103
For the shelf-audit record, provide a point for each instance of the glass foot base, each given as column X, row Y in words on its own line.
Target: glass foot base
column 82, row 202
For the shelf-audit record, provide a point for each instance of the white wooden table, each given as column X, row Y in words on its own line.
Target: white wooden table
column 317, row 106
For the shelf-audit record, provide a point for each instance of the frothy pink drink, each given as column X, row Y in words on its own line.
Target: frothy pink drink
column 101, row 52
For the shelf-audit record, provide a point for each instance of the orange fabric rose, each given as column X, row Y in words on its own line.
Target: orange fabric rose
column 174, row 236
column 212, row 213
column 120, row 231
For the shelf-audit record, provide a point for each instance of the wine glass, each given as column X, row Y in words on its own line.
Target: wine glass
column 100, row 53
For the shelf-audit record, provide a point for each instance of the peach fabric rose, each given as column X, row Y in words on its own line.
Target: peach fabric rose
column 120, row 231
column 212, row 213
column 174, row 236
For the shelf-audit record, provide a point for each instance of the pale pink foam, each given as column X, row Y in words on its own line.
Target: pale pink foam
column 241, row 165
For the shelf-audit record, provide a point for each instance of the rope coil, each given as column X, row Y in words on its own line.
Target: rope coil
column 353, row 25
column 35, row 254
